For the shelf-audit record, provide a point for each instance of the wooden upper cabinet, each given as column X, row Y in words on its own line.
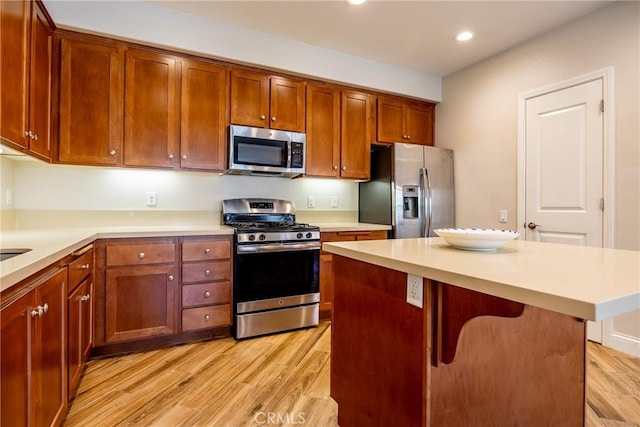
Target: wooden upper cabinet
column 356, row 135
column 287, row 104
column 263, row 101
column 152, row 110
column 27, row 41
column 91, row 102
column 204, row 115
column 400, row 121
column 323, row 131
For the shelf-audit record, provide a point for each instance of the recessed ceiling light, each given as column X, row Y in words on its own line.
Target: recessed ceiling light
column 464, row 36
column 356, row 1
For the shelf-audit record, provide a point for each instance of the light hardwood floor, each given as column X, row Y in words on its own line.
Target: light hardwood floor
column 277, row 380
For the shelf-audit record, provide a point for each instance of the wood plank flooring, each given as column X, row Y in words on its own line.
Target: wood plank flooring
column 277, row 380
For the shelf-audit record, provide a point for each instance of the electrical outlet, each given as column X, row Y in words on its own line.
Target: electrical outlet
column 311, row 201
column 152, row 198
column 8, row 197
column 504, row 215
column 414, row 290
column 334, row 201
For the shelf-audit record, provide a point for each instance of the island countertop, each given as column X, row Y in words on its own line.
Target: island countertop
column 585, row 282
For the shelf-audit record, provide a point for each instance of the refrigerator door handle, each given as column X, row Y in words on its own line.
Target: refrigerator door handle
column 425, row 183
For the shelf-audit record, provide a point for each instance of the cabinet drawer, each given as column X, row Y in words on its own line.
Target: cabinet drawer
column 140, row 254
column 206, row 250
column 206, row 317
column 206, row 271
column 207, row 293
column 79, row 269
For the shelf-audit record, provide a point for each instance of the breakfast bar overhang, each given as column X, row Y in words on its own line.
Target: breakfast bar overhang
column 500, row 338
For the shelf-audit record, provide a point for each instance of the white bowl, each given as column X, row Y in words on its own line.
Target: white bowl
column 476, row 239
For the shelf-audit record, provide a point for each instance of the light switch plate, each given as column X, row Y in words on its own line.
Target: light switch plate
column 152, row 198
column 311, row 201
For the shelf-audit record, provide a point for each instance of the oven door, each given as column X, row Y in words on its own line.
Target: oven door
column 275, row 272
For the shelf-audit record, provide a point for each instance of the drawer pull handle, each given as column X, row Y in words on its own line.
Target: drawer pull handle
column 141, row 255
column 207, row 294
column 85, row 298
column 207, row 251
column 207, row 272
column 170, row 277
column 85, row 266
column 207, row 317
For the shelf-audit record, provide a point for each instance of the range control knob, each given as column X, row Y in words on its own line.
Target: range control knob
column 262, row 237
column 308, row 235
column 252, row 237
column 299, row 235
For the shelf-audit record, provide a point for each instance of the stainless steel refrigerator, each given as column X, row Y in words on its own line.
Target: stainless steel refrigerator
column 411, row 189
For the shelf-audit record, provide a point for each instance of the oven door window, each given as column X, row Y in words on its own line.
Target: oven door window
column 259, row 152
column 275, row 275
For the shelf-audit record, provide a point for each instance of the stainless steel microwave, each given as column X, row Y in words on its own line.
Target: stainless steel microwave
column 266, row 152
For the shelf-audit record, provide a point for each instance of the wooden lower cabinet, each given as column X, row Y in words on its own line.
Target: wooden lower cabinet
column 80, row 331
column 33, row 385
column 326, row 263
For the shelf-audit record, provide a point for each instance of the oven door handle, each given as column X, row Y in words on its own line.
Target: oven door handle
column 277, row 247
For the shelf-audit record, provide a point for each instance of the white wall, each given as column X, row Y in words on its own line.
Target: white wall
column 478, row 119
column 40, row 186
column 478, row 114
column 154, row 24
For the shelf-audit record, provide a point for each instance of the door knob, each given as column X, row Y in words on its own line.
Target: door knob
column 533, row 225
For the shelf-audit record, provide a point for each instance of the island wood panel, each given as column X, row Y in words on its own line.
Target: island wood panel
column 525, row 370
column 454, row 307
column 378, row 347
column 529, row 370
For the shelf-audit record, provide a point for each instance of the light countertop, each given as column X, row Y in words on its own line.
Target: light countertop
column 52, row 244
column 585, row 282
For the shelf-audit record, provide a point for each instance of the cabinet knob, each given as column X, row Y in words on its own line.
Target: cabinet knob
column 27, row 133
column 273, row 119
column 170, row 156
column 207, row 251
column 335, row 167
column 184, row 157
column 262, row 117
column 207, row 272
column 170, row 277
column 141, row 255
column 45, row 307
column 112, row 152
column 36, row 313
column 207, row 294
column 34, row 136
column 344, row 168
column 408, row 136
column 85, row 266
column 85, row 298
column 207, row 317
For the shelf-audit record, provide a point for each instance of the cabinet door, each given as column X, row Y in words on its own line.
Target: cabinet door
column 91, row 103
column 287, row 105
column 151, row 123
column 323, row 131
column 140, row 302
column 51, row 381
column 205, row 98
column 15, row 35
column 17, row 338
column 419, row 124
column 356, row 135
column 249, row 98
column 391, row 126
column 40, row 84
column 326, row 282
column 80, row 332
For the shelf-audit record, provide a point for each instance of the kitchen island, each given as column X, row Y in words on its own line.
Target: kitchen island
column 500, row 339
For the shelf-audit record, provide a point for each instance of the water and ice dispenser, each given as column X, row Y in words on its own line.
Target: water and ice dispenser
column 410, row 201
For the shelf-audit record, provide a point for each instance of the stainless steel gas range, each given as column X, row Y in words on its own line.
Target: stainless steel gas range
column 275, row 285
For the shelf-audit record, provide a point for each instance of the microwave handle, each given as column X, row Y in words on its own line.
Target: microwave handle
column 289, row 154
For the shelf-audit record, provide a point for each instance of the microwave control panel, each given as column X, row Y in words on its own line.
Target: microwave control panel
column 297, row 155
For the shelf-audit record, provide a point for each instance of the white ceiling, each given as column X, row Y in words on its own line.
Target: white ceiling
column 417, row 35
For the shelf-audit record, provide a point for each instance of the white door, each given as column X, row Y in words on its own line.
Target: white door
column 564, row 169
